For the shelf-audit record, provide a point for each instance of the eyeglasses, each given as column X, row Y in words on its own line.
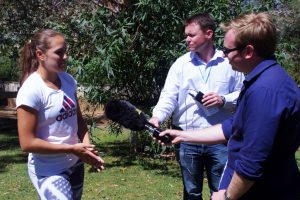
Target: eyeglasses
column 226, row 51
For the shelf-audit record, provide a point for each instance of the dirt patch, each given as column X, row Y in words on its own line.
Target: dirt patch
column 93, row 113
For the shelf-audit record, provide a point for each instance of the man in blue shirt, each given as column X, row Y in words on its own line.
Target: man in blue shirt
column 264, row 132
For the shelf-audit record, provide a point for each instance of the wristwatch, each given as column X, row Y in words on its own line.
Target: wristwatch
column 223, row 100
column 226, row 196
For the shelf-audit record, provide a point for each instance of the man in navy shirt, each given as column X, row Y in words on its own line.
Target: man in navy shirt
column 264, row 132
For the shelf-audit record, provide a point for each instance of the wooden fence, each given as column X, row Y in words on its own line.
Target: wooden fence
column 8, row 93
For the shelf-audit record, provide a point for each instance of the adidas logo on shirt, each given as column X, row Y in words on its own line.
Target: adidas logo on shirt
column 68, row 109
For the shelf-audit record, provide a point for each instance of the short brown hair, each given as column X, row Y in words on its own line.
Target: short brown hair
column 204, row 20
column 255, row 29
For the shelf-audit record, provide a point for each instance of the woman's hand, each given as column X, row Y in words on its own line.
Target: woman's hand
column 88, row 154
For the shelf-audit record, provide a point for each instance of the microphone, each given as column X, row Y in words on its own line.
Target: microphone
column 130, row 117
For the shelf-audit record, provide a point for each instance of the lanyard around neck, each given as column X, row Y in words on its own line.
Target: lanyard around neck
column 205, row 79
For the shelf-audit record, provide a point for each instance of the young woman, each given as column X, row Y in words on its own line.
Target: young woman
column 50, row 123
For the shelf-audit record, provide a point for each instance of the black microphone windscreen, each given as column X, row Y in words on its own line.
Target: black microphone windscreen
column 130, row 117
column 126, row 114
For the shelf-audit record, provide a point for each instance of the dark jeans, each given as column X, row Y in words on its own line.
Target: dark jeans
column 193, row 159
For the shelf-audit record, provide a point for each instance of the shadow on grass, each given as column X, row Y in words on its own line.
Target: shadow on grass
column 9, row 159
column 7, row 123
column 121, row 151
column 162, row 167
column 10, row 149
column 10, row 153
column 9, row 139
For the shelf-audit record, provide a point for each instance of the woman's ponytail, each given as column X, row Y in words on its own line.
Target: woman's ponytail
column 28, row 60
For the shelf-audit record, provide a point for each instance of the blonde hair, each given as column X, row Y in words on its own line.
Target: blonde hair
column 255, row 29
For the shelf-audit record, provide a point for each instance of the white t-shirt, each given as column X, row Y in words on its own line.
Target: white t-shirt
column 57, row 120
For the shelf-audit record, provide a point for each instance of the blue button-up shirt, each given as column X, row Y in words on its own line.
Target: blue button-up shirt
column 264, row 132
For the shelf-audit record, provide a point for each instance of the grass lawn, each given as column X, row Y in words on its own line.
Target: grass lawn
column 125, row 177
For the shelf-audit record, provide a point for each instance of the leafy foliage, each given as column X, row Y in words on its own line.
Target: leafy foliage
column 126, row 51
column 128, row 54
column 19, row 20
column 288, row 20
column 7, row 69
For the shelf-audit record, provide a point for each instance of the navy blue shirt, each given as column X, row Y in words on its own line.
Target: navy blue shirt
column 264, row 134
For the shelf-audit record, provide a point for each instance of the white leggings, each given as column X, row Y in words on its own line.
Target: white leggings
column 65, row 186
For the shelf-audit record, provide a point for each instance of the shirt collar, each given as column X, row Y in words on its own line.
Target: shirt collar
column 260, row 68
column 198, row 61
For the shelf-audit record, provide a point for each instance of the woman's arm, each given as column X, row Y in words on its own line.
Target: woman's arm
column 83, row 135
column 27, row 125
column 82, row 127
